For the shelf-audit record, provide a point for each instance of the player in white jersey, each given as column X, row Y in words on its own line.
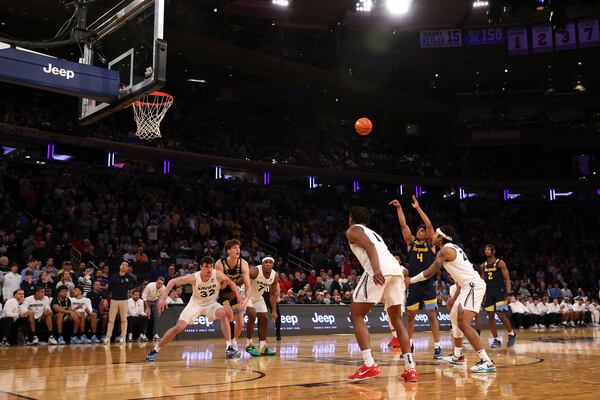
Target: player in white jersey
column 37, row 310
column 83, row 306
column 206, row 284
column 261, row 278
column 383, row 278
column 467, row 299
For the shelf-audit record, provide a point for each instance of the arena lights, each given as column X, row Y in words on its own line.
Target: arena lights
column 356, row 186
column 312, row 182
column 218, row 172
column 266, row 178
column 540, row 5
column 463, row 194
column 281, row 3
column 553, row 194
column 364, row 5
column 479, row 4
column 111, row 159
column 400, row 190
column 510, row 196
column 50, row 151
column 398, row 7
column 418, row 191
column 166, row 167
column 7, row 150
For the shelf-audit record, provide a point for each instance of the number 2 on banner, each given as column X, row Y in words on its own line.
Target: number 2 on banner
column 541, row 37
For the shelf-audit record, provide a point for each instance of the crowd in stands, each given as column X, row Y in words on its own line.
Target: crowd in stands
column 65, row 228
column 262, row 133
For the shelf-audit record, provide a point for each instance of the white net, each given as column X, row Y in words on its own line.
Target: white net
column 148, row 112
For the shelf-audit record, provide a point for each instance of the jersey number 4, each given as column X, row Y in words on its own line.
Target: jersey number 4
column 207, row 293
column 420, row 257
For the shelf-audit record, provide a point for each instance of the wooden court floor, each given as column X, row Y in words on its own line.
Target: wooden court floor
column 542, row 365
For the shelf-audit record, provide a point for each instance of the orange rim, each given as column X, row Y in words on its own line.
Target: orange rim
column 168, row 100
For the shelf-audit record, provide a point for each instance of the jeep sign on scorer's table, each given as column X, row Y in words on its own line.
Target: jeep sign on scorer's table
column 305, row 320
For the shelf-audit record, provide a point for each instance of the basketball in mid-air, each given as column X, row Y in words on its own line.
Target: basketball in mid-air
column 363, row 126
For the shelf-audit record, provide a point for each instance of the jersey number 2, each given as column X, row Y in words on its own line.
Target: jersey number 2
column 489, row 276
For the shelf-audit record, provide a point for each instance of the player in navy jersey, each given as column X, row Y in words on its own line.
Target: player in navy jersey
column 421, row 254
column 495, row 274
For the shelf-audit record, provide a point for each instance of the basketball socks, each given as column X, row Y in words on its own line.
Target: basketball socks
column 457, row 351
column 436, row 345
column 411, row 342
column 262, row 344
column 156, row 348
column 394, row 334
column 497, row 338
column 248, row 342
column 409, row 361
column 511, row 333
column 483, row 355
column 227, row 343
column 368, row 357
column 234, row 344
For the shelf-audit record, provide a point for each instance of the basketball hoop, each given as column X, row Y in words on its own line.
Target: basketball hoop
column 148, row 112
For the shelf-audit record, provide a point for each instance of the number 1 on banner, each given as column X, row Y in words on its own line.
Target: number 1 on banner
column 517, row 42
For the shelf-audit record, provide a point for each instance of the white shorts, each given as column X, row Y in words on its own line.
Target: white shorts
column 471, row 296
column 194, row 310
column 393, row 291
column 258, row 304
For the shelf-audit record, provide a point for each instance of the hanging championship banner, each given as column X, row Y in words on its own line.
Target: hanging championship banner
column 566, row 40
column 483, row 36
column 441, row 38
column 541, row 39
column 589, row 33
column 517, row 42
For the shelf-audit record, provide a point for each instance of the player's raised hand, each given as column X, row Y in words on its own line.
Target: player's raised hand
column 395, row 203
column 415, row 202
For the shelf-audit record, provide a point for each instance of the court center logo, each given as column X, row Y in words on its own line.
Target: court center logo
column 67, row 73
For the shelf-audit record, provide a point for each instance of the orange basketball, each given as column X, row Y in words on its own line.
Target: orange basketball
column 363, row 126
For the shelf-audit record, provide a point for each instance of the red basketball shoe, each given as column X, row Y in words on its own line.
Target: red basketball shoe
column 394, row 343
column 365, row 372
column 410, row 375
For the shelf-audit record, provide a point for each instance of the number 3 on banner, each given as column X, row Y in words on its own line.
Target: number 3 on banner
column 566, row 39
